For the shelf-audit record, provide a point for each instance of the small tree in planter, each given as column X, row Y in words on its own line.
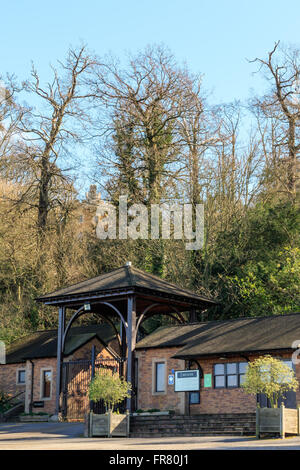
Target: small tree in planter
column 273, row 378
column 112, row 390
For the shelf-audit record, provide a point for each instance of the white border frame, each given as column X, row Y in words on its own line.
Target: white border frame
column 42, row 370
column 187, row 370
column 155, row 361
column 20, row 384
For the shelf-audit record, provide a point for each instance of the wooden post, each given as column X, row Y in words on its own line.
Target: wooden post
column 130, row 336
column 93, row 371
column 123, row 349
column 282, row 424
column 91, row 424
column 298, row 420
column 60, row 335
column 192, row 316
column 257, row 422
column 109, row 417
column 128, row 422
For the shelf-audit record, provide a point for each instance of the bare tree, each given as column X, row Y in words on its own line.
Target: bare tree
column 281, row 108
column 49, row 131
column 150, row 95
column 10, row 115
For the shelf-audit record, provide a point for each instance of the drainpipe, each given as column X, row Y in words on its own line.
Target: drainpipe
column 32, row 382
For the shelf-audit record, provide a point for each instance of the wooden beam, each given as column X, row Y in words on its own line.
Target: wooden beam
column 130, row 336
column 60, row 335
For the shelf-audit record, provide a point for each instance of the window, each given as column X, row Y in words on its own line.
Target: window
column 160, row 368
column 229, row 375
column 194, row 398
column 219, row 375
column 21, row 377
column 46, row 383
column 242, row 370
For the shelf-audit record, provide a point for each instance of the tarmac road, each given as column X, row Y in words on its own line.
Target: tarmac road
column 69, row 436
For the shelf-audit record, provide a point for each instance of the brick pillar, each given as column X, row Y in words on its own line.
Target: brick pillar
column 28, row 386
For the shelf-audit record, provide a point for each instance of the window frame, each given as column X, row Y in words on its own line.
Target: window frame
column 22, row 369
column 155, row 363
column 43, row 371
column 238, row 374
column 219, row 375
column 198, row 398
column 163, row 372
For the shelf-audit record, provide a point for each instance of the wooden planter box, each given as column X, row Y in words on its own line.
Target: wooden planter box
column 108, row 425
column 280, row 421
column 34, row 419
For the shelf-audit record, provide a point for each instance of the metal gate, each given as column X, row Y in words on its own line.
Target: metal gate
column 76, row 377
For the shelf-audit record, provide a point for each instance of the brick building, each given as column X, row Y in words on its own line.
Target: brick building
column 31, row 366
column 217, row 351
column 221, row 351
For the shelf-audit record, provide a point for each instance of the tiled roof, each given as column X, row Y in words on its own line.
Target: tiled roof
column 42, row 344
column 228, row 336
column 125, row 277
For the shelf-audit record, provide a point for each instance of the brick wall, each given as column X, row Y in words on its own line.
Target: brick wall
column 212, row 400
column 8, row 375
column 147, row 398
column 222, row 400
column 39, row 366
column 8, row 378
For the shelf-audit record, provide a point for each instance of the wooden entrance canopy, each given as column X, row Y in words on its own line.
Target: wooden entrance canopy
column 127, row 295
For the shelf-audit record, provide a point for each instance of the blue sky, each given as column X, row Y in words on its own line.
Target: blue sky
column 213, row 37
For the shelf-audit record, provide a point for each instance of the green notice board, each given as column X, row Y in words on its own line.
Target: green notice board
column 207, row 380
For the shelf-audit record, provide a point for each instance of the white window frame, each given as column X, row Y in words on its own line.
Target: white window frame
column 20, row 369
column 154, row 362
column 46, row 369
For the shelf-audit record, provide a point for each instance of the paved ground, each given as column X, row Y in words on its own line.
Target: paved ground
column 69, row 436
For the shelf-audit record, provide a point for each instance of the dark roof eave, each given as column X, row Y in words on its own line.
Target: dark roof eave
column 62, row 299
column 191, row 301
column 72, row 351
column 161, row 346
column 230, row 353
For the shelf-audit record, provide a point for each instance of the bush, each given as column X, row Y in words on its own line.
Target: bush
column 269, row 376
column 4, row 402
column 110, row 388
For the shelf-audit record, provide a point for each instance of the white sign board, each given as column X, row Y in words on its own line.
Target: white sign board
column 187, row 380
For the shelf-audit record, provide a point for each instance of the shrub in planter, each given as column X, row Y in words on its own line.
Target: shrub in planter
column 269, row 376
column 273, row 378
column 112, row 390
